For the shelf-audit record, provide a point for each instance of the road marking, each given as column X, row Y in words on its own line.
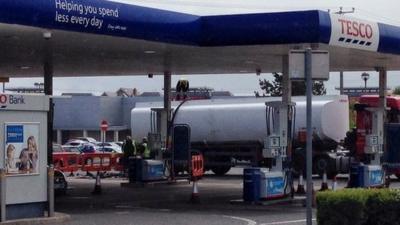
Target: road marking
column 249, row 221
column 286, row 222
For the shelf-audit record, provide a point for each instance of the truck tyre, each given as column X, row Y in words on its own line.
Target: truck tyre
column 61, row 184
column 220, row 170
column 322, row 164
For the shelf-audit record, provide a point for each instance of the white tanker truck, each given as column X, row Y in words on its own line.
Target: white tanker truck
column 231, row 130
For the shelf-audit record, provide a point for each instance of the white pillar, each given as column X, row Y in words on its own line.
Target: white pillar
column 116, row 136
column 59, row 137
column 85, row 133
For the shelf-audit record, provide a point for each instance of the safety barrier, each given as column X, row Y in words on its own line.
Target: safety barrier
column 197, row 166
column 72, row 162
column 96, row 161
column 116, row 161
column 66, row 162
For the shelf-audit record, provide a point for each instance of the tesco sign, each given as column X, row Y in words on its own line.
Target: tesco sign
column 354, row 33
column 356, row 29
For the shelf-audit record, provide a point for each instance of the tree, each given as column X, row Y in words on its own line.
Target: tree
column 396, row 90
column 274, row 88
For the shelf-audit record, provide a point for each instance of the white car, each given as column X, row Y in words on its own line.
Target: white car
column 87, row 139
column 75, row 142
column 109, row 147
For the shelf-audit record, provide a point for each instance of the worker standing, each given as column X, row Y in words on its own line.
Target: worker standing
column 146, row 150
column 129, row 150
column 182, row 88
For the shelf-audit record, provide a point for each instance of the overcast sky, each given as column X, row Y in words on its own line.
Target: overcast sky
column 386, row 11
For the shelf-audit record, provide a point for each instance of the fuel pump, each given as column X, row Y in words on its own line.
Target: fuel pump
column 158, row 132
column 280, row 129
column 374, row 138
column 367, row 170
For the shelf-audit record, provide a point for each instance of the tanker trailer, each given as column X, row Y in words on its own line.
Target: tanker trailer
column 231, row 130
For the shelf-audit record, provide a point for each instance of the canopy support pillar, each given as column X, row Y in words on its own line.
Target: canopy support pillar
column 48, row 90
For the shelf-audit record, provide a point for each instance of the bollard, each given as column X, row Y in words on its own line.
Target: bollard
column 2, row 195
column 97, row 185
column 300, row 186
column 324, row 184
column 50, row 190
column 334, row 184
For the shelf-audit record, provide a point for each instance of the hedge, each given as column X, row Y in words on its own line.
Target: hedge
column 359, row 207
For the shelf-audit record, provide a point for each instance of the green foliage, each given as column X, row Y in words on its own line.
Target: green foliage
column 396, row 90
column 274, row 88
column 359, row 207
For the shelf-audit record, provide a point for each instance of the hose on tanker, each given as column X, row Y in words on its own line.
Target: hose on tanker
column 169, row 128
column 170, row 125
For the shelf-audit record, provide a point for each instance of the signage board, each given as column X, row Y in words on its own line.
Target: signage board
column 21, row 150
column 356, row 33
column 320, row 65
column 104, row 125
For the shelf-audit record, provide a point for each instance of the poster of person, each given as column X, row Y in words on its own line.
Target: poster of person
column 22, row 148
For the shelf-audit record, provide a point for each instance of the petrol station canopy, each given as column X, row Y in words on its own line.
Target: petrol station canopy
column 98, row 37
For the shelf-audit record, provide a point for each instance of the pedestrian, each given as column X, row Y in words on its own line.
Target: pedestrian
column 146, row 150
column 129, row 150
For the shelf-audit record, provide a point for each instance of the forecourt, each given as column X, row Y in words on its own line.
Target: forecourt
column 97, row 37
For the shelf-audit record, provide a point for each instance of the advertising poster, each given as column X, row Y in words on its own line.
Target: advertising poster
column 22, row 148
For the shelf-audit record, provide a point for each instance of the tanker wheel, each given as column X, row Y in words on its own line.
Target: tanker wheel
column 320, row 165
column 220, row 170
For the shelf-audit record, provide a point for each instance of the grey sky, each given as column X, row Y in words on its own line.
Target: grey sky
column 386, row 11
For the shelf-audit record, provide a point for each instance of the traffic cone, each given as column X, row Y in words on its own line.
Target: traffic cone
column 324, row 184
column 195, row 198
column 300, row 186
column 334, row 184
column 97, row 185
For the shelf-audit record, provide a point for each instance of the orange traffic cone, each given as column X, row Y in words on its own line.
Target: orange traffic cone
column 300, row 186
column 97, row 185
column 324, row 184
column 334, row 184
column 195, row 198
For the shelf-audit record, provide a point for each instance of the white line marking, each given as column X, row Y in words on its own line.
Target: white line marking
column 249, row 221
column 286, row 222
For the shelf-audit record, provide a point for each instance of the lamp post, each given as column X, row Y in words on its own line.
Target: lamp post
column 365, row 77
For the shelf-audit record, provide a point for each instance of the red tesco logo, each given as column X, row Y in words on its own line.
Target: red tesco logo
column 356, row 29
column 3, row 99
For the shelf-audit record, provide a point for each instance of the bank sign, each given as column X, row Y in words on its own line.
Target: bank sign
column 350, row 32
column 24, row 102
column 6, row 100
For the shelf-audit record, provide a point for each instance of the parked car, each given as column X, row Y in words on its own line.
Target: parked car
column 88, row 148
column 119, row 143
column 87, row 139
column 57, row 148
column 109, row 147
column 75, row 142
column 70, row 148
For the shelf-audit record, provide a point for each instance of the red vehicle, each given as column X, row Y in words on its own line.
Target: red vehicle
column 356, row 139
